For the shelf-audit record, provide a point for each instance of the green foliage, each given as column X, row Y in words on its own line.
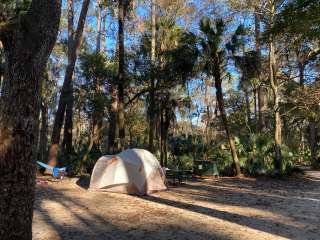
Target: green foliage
column 88, row 165
column 211, row 44
column 260, row 154
column 94, row 66
column 179, row 145
column 180, row 61
column 183, row 162
column 13, row 8
column 237, row 40
column 256, row 156
column 299, row 17
column 259, row 157
column 96, row 70
column 224, row 161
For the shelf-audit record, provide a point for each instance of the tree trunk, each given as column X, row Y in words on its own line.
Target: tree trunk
column 162, row 137
column 219, row 94
column 67, row 141
column 27, row 46
column 301, row 145
column 78, row 141
column 1, row 65
column 121, row 19
column 157, row 129
column 113, row 126
column 98, row 110
column 99, row 13
column 44, row 132
column 276, row 96
column 68, row 127
column 167, row 122
column 86, row 154
column 255, row 104
column 301, row 73
column 66, row 91
column 313, row 144
column 131, row 138
column 103, row 31
column 152, row 77
column 247, row 97
column 262, row 103
column 165, row 150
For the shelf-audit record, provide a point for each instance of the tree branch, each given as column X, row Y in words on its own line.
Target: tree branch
column 312, row 55
column 139, row 94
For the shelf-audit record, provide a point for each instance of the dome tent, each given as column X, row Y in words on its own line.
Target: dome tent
column 134, row 171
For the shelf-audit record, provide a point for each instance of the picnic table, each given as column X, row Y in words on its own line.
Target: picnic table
column 178, row 176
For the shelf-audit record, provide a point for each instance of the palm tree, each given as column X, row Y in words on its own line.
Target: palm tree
column 213, row 56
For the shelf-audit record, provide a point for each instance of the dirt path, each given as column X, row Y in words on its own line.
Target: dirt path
column 227, row 208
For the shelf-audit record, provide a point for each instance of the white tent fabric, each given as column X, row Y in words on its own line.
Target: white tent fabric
column 134, row 171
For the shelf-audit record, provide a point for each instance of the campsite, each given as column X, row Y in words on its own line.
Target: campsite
column 226, row 208
column 159, row 119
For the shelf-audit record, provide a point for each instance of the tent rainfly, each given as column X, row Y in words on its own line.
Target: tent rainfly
column 134, row 171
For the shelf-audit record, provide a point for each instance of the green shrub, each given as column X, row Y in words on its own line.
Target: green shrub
column 184, row 161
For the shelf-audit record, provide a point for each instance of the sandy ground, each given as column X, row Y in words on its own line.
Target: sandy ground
column 226, row 208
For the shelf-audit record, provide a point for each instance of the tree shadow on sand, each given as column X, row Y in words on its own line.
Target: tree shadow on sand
column 245, row 193
column 92, row 225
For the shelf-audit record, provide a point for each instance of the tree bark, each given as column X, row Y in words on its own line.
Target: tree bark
column 313, row 133
column 247, row 97
column 262, row 107
column 121, row 73
column 277, row 125
column 255, row 104
column 68, row 127
column 113, row 126
column 103, row 31
column 301, row 73
column 165, row 150
column 66, row 91
column 152, row 77
column 44, row 132
column 301, row 145
column 301, row 66
column 262, row 103
column 276, row 96
column 1, row 65
column 161, row 138
column 167, row 121
column 27, row 46
column 99, row 13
